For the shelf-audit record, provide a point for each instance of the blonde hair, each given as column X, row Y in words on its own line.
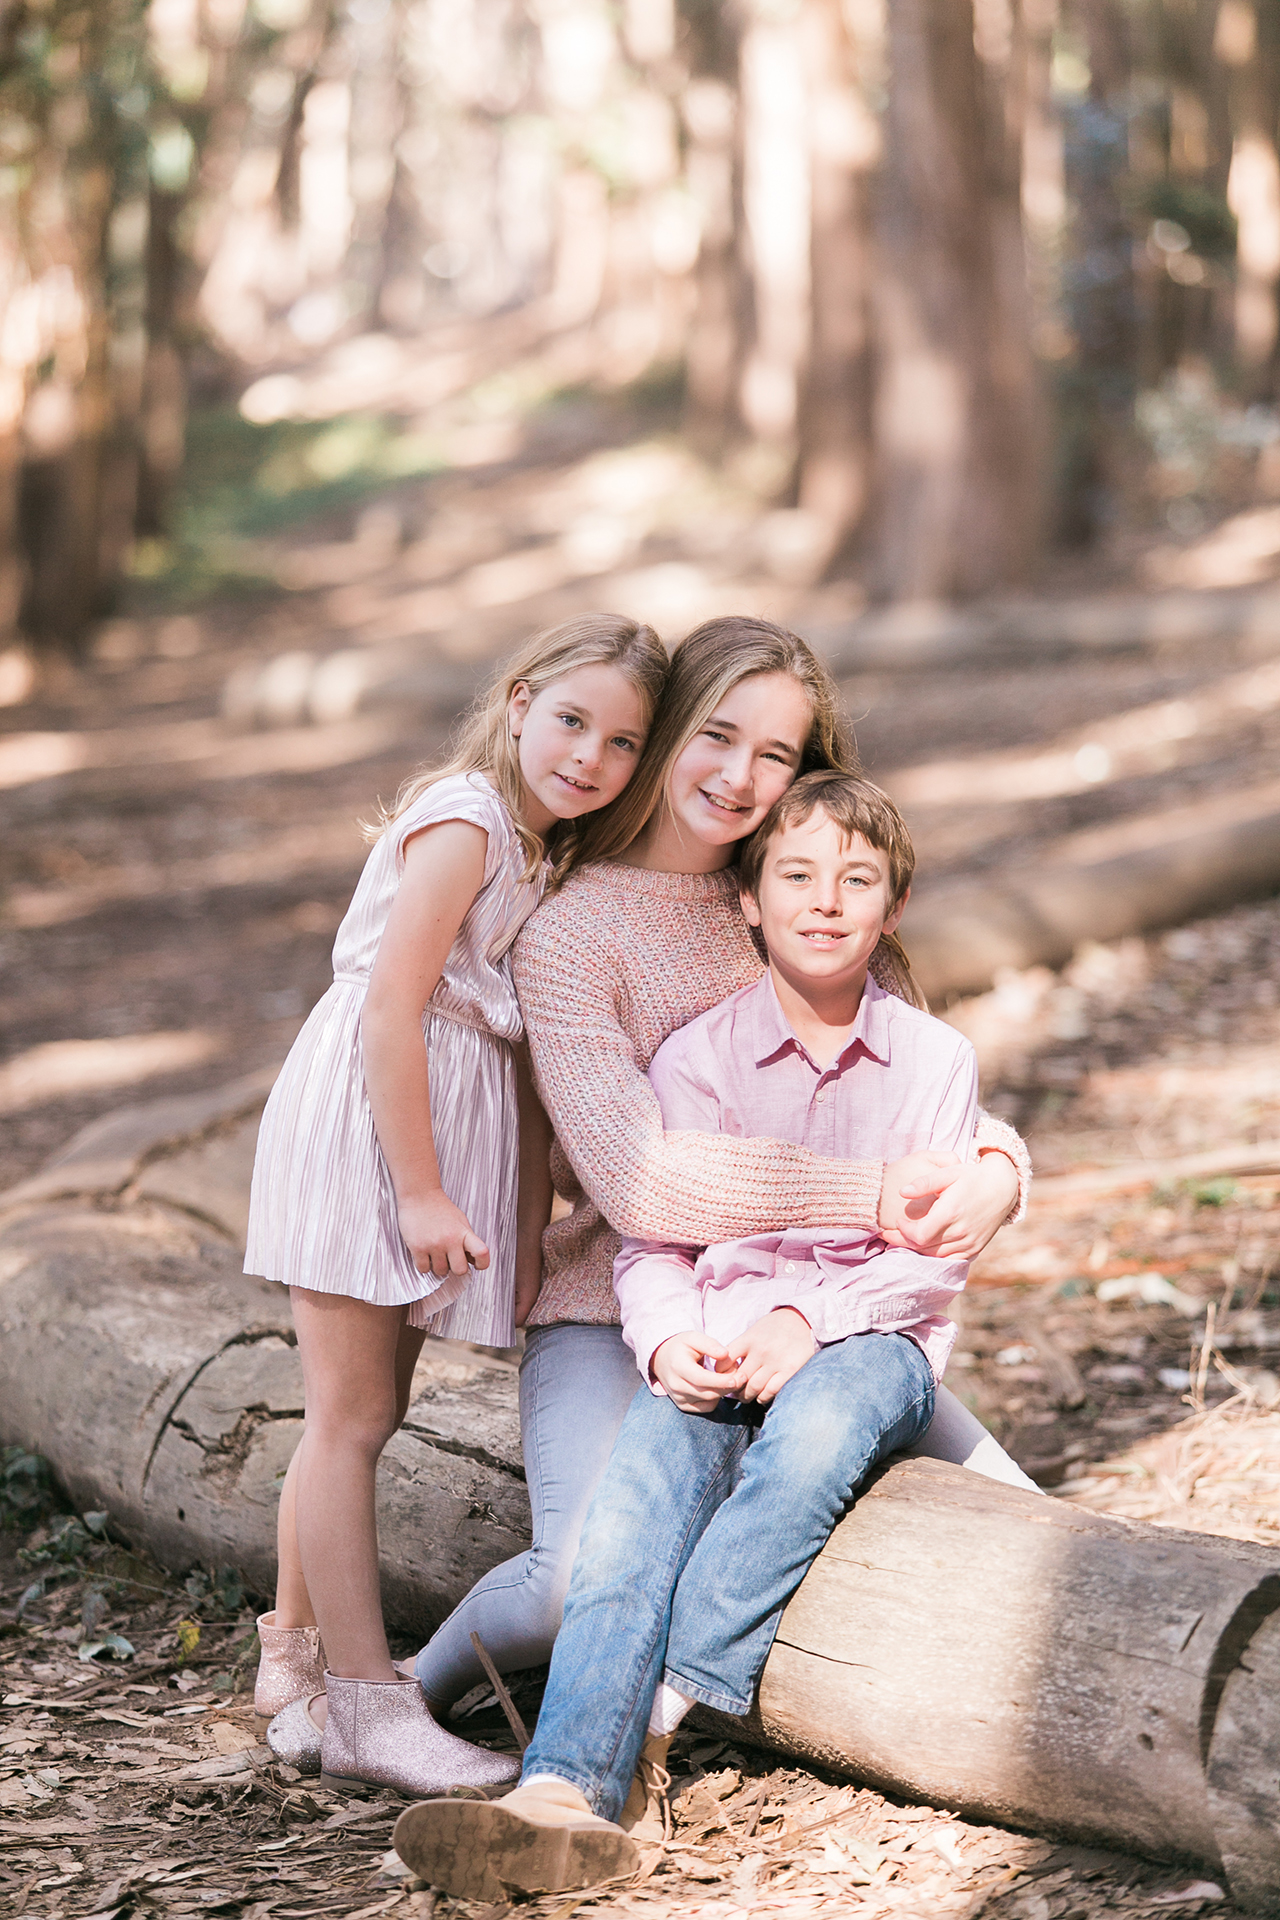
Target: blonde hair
column 855, row 806
column 485, row 743
column 707, row 665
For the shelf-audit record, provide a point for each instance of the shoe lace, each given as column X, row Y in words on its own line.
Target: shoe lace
column 657, row 1783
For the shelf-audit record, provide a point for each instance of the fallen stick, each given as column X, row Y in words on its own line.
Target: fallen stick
column 1224, row 1162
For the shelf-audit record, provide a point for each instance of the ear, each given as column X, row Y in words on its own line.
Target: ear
column 895, row 916
column 750, row 907
column 517, row 707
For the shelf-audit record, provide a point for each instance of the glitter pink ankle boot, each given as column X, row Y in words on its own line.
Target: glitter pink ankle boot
column 291, row 1665
column 380, row 1733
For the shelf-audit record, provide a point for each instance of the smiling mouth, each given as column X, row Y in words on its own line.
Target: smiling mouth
column 823, row 937
column 724, row 806
column 575, row 786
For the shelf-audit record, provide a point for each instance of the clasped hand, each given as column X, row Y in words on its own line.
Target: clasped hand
column 938, row 1204
column 439, row 1237
column 763, row 1359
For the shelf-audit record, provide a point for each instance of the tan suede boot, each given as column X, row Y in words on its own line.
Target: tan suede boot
column 647, row 1814
column 543, row 1838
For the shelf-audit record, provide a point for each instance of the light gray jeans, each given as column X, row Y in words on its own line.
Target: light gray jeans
column 576, row 1383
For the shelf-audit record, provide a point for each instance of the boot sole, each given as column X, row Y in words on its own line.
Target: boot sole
column 476, row 1850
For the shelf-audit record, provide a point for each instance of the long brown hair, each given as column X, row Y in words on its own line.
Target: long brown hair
column 485, row 744
column 855, row 806
column 708, row 664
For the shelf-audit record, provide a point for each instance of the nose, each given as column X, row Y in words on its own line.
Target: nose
column 588, row 751
column 735, row 770
column 827, row 899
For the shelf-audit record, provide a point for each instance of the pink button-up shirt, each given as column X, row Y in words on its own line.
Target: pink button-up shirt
column 901, row 1082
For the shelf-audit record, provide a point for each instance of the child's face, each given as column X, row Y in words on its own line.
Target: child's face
column 579, row 741
column 741, row 760
column 824, row 902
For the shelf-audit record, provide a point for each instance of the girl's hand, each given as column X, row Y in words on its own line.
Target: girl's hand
column 772, row 1352
column 677, row 1366
column 439, row 1237
column 951, row 1210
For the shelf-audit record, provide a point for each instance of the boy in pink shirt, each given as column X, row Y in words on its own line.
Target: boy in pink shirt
column 780, row 1367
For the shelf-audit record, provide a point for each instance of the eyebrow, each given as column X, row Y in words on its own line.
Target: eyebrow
column 731, row 726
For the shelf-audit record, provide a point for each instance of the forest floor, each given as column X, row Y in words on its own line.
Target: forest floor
column 180, row 844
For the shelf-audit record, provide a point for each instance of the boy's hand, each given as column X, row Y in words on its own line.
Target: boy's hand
column 677, row 1366
column 770, row 1353
column 937, row 1204
column 438, row 1235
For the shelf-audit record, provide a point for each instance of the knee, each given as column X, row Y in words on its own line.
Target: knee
column 361, row 1430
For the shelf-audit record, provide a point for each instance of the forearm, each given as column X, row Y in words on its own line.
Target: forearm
column 398, row 1085
column 691, row 1187
column 895, row 1291
column 657, row 1296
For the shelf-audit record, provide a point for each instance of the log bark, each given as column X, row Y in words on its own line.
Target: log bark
column 968, row 1644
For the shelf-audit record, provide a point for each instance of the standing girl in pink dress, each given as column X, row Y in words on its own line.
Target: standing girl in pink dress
column 392, row 1190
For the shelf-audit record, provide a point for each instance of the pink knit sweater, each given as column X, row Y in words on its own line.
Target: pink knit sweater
column 605, row 970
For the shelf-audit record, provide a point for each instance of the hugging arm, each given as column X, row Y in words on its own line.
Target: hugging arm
column 686, row 1186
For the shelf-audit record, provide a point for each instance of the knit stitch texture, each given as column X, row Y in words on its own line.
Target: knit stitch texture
column 605, row 970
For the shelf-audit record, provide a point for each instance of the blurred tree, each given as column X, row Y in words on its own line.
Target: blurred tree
column 958, row 441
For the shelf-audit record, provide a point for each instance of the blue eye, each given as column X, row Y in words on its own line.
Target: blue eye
column 620, row 740
column 571, row 719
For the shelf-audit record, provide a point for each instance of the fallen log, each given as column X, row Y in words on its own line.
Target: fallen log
column 1138, row 875
column 164, row 1385
column 957, row 1641
column 1040, row 1666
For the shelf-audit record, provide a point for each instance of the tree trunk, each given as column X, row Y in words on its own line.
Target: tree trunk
column 835, row 404
column 1100, row 295
column 958, row 476
column 722, row 321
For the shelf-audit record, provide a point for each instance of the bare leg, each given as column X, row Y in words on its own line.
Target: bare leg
column 357, row 1360
column 293, row 1602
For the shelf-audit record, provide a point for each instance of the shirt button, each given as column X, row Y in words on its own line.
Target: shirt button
column 791, row 1266
column 822, row 1094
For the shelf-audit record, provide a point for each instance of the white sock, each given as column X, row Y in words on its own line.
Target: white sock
column 669, row 1709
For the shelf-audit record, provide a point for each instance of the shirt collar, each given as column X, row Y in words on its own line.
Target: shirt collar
column 772, row 1037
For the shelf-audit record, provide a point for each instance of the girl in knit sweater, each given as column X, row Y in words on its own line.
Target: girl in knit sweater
column 628, row 950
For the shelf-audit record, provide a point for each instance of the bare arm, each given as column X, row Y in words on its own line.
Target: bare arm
column 535, row 1187
column 443, row 872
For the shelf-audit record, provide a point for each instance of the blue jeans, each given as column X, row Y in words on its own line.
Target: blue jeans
column 703, row 1527
column 576, row 1383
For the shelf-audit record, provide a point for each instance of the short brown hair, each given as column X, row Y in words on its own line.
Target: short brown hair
column 856, row 806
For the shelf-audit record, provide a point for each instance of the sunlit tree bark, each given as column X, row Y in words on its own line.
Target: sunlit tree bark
column 836, row 393
column 958, row 473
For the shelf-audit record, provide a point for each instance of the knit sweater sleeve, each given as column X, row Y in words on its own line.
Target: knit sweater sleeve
column 696, row 1188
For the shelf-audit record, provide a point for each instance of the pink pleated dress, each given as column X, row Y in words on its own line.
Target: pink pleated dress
column 322, row 1212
